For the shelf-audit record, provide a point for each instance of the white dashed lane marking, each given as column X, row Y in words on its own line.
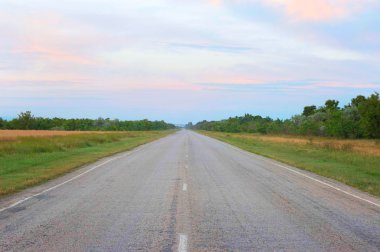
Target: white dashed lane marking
column 182, row 246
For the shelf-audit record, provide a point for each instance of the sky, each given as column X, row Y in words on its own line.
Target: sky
column 185, row 60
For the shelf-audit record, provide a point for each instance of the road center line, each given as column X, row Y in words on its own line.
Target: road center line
column 184, row 187
column 182, row 246
column 69, row 180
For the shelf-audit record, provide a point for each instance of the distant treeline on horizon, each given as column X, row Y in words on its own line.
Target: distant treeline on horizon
column 358, row 119
column 26, row 121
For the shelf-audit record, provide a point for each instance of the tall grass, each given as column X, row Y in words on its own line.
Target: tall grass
column 13, row 134
column 29, row 145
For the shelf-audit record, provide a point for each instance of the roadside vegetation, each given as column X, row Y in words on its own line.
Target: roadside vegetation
column 342, row 143
column 358, row 119
column 28, row 159
column 27, row 121
column 353, row 162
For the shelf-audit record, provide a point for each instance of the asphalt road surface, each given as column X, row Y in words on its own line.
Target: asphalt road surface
column 188, row 192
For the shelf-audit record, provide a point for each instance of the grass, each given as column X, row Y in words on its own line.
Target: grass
column 8, row 135
column 341, row 160
column 30, row 160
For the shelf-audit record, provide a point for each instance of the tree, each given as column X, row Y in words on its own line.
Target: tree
column 360, row 118
column 357, row 100
column 351, row 122
column 25, row 120
column 309, row 110
column 2, row 123
column 331, row 105
column 334, row 125
column 369, row 111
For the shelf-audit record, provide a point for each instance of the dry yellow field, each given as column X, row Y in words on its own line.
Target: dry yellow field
column 13, row 134
column 362, row 146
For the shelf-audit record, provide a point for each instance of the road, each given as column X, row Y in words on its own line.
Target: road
column 188, row 192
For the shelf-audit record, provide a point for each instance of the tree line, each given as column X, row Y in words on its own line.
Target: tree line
column 358, row 119
column 27, row 121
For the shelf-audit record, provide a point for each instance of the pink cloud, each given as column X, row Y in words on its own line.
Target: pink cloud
column 215, row 2
column 50, row 38
column 309, row 10
column 54, row 55
column 316, row 10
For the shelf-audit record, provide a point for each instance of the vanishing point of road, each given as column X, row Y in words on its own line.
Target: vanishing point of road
column 188, row 192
